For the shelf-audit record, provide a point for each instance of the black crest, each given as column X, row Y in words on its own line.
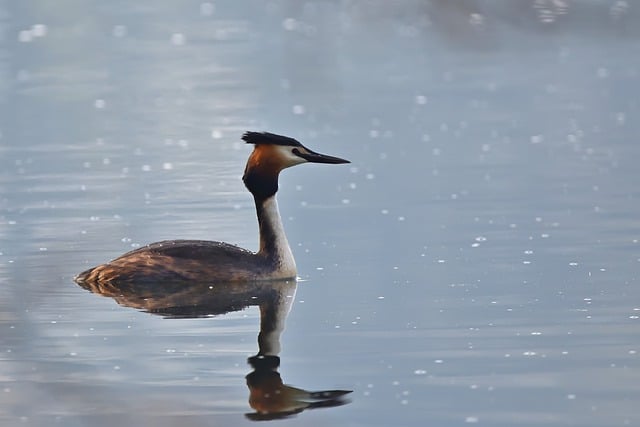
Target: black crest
column 269, row 138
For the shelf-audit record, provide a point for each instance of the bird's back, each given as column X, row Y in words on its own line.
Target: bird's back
column 175, row 260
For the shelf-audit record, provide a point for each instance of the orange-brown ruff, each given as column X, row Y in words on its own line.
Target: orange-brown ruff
column 207, row 261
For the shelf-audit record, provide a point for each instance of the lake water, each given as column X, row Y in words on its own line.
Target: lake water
column 478, row 262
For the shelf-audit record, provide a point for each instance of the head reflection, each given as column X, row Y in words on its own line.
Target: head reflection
column 269, row 397
column 272, row 399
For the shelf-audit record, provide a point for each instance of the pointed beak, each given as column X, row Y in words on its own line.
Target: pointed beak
column 313, row 157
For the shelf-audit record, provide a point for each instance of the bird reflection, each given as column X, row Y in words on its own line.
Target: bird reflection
column 269, row 397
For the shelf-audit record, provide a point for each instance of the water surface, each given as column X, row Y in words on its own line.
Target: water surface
column 477, row 263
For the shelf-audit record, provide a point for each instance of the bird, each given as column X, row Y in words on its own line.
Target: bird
column 212, row 261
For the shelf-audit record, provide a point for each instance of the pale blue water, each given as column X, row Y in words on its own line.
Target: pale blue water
column 477, row 263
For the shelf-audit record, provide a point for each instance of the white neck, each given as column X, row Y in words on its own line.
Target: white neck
column 273, row 241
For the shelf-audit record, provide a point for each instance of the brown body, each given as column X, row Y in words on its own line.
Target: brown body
column 183, row 260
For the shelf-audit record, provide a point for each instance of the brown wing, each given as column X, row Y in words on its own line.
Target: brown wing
column 204, row 250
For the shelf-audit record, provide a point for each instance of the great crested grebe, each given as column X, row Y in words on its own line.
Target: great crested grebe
column 206, row 261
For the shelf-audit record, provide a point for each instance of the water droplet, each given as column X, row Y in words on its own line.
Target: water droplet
column 476, row 19
column 39, row 30
column 119, row 31
column 207, row 9
column 290, row 24
column 618, row 9
column 178, row 39
column 602, row 73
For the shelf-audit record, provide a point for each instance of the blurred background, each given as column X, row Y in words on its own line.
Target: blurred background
column 476, row 263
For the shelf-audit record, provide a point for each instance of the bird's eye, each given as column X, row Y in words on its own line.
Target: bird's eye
column 296, row 152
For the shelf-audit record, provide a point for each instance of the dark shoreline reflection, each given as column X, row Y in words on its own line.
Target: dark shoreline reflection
column 268, row 395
